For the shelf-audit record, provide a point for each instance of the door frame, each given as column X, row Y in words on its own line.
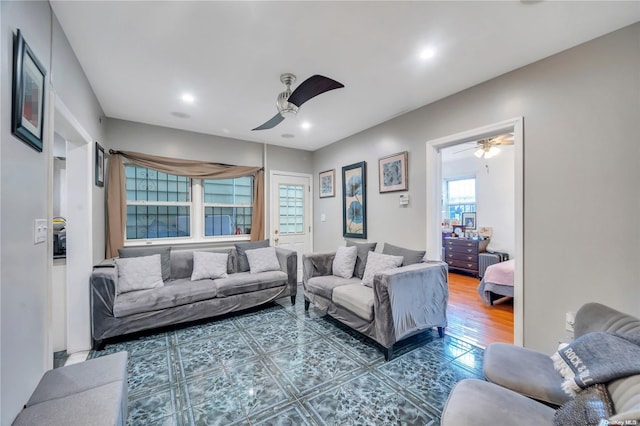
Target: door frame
column 434, row 195
column 273, row 199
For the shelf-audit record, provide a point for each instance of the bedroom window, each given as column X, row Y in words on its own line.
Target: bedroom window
column 459, row 196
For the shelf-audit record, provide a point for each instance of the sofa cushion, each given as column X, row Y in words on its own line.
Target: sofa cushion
column 209, row 265
column 262, row 260
column 139, row 273
column 363, row 251
column 174, row 293
column 357, row 298
column 378, row 262
column 246, row 282
column 344, row 261
column 80, row 377
column 101, row 405
column 410, row 256
column 324, row 285
column 164, row 252
column 241, row 248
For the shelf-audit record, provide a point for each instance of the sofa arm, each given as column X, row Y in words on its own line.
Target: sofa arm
column 410, row 299
column 597, row 317
column 103, row 283
column 289, row 264
column 316, row 264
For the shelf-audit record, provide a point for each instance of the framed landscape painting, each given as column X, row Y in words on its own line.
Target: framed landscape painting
column 328, row 183
column 354, row 200
column 392, row 172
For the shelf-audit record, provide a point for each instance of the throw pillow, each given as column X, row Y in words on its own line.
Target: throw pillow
column 262, row 260
column 139, row 273
column 410, row 256
column 378, row 262
column 344, row 261
column 363, row 251
column 164, row 252
column 241, row 248
column 209, row 265
column 588, row 407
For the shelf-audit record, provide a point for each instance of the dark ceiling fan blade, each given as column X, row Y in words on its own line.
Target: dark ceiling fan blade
column 311, row 87
column 271, row 123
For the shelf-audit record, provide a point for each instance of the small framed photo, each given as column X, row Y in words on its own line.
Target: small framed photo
column 327, row 182
column 99, row 166
column 392, row 172
column 27, row 113
column 469, row 221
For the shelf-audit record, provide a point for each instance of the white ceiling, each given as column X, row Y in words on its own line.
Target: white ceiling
column 140, row 57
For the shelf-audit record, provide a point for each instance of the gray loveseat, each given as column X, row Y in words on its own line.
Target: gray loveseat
column 524, row 388
column 180, row 299
column 402, row 301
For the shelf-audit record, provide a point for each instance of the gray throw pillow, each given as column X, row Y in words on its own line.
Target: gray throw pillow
column 587, row 408
column 139, row 273
column 361, row 260
column 263, row 260
column 208, row 265
column 378, row 262
column 344, row 261
column 410, row 256
column 241, row 248
column 164, row 252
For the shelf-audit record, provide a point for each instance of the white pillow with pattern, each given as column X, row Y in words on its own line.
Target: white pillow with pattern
column 378, row 262
column 344, row 261
column 262, row 260
column 209, row 265
column 139, row 273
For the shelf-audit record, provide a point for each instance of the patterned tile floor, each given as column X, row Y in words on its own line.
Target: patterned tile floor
column 280, row 365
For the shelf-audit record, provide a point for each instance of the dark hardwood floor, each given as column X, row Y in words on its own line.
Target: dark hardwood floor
column 471, row 319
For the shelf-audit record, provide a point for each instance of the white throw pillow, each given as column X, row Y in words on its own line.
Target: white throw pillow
column 378, row 262
column 345, row 261
column 263, row 259
column 139, row 273
column 209, row 265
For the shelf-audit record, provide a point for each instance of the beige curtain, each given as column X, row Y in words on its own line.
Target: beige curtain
column 117, row 199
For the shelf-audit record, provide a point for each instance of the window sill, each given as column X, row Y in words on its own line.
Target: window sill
column 187, row 241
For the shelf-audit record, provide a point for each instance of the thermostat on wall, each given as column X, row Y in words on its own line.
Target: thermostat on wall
column 404, row 199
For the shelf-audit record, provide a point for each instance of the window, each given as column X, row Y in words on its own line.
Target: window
column 291, row 209
column 158, row 204
column 459, row 197
column 228, row 206
column 161, row 205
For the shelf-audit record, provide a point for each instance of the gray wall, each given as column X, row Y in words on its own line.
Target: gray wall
column 24, row 183
column 581, row 113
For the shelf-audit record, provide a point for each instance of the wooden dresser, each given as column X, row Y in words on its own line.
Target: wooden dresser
column 462, row 254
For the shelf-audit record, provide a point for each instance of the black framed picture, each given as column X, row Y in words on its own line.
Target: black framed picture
column 354, row 200
column 99, row 166
column 469, row 220
column 27, row 113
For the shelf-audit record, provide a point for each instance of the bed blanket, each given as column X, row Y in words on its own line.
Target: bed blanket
column 597, row 357
column 500, row 273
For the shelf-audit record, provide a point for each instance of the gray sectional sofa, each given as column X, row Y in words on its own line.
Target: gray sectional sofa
column 523, row 386
column 178, row 298
column 401, row 302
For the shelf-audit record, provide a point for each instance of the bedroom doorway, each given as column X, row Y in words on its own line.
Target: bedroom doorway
column 434, row 152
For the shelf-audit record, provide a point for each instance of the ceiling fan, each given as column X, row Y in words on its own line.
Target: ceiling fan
column 488, row 148
column 288, row 102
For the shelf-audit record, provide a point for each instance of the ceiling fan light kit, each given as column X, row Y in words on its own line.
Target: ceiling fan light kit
column 288, row 102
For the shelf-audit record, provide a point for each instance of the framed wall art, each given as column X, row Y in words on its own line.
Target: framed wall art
column 99, row 166
column 392, row 172
column 27, row 112
column 354, row 200
column 469, row 220
column 327, row 182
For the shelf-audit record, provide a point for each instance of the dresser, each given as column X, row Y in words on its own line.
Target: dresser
column 462, row 254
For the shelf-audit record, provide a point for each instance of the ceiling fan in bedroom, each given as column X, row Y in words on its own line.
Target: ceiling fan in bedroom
column 288, row 102
column 487, row 148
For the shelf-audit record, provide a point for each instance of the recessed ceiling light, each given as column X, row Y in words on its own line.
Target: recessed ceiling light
column 305, row 125
column 427, row 53
column 188, row 98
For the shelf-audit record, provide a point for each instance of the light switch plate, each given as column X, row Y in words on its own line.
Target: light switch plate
column 40, row 231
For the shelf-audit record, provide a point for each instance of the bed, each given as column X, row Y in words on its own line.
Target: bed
column 497, row 282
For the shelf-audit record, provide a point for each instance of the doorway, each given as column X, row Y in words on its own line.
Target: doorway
column 434, row 197
column 291, row 219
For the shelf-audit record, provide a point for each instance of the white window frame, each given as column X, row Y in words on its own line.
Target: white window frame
column 196, row 221
column 445, row 190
